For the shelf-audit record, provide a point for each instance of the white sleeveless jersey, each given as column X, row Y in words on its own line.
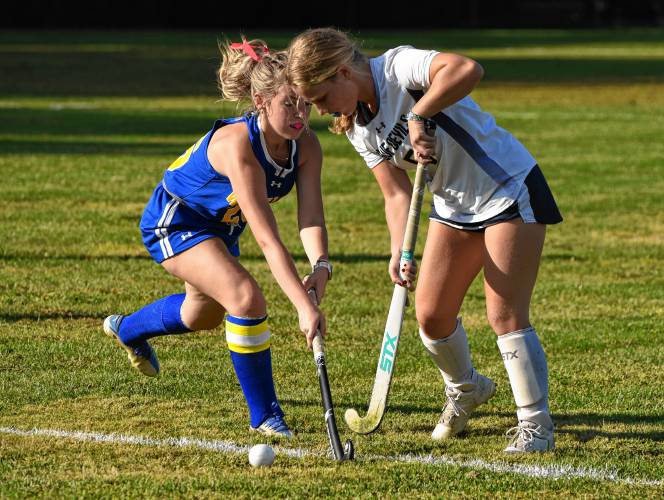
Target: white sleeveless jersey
column 481, row 167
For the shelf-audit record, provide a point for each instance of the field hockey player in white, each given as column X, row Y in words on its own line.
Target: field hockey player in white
column 490, row 210
column 193, row 221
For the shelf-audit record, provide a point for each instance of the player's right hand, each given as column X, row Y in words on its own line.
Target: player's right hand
column 311, row 320
column 408, row 271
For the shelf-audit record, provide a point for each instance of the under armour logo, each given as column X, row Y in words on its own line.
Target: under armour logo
column 186, row 235
column 275, row 183
column 507, row 355
column 380, row 129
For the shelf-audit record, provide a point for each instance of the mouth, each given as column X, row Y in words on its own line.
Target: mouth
column 297, row 126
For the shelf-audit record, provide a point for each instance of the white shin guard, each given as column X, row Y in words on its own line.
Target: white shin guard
column 452, row 357
column 527, row 370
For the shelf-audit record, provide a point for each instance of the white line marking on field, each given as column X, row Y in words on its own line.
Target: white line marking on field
column 537, row 471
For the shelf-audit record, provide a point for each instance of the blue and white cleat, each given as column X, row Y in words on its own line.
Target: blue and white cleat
column 141, row 357
column 274, row 426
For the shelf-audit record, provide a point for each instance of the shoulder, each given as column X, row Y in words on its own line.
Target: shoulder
column 408, row 66
column 229, row 145
column 231, row 137
column 309, row 146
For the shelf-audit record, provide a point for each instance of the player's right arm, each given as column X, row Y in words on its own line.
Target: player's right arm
column 240, row 165
column 396, row 187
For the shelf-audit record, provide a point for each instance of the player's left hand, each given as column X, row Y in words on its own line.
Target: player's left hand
column 318, row 281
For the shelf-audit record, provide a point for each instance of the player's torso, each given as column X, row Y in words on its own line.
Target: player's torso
column 192, row 179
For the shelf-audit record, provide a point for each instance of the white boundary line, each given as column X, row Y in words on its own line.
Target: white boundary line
column 536, row 471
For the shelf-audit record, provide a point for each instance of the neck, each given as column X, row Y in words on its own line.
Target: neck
column 367, row 89
column 277, row 146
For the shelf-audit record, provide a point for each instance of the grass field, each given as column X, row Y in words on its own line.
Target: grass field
column 88, row 122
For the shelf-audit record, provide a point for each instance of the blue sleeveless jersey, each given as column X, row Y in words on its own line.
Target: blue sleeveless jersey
column 194, row 202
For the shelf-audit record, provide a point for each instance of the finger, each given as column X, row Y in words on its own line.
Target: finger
column 320, row 292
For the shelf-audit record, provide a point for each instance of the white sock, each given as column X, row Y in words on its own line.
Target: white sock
column 452, row 357
column 527, row 370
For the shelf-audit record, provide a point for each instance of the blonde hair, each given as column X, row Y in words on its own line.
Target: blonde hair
column 240, row 77
column 315, row 56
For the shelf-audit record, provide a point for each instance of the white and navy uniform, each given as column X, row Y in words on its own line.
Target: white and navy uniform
column 194, row 202
column 483, row 174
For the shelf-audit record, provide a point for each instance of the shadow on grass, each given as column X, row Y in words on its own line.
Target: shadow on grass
column 66, row 315
column 298, row 257
column 591, row 423
column 69, row 131
column 595, row 426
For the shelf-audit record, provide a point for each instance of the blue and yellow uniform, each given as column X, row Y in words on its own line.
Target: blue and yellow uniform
column 194, row 202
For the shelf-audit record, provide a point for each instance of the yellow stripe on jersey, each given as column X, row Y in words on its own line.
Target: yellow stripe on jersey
column 184, row 157
column 247, row 339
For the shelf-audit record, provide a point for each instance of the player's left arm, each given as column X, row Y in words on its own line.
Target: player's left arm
column 310, row 215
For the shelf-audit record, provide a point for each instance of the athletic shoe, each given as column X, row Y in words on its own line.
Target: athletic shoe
column 459, row 406
column 528, row 437
column 274, row 426
column 142, row 357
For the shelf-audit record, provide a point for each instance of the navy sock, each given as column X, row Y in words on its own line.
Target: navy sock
column 159, row 318
column 249, row 343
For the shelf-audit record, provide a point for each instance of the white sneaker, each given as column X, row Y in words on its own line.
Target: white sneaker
column 528, row 437
column 459, row 406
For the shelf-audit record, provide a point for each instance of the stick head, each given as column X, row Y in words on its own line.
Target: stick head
column 361, row 425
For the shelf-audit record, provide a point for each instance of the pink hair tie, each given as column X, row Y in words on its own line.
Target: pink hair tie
column 248, row 49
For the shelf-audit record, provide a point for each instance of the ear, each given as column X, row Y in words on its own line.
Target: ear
column 345, row 72
column 259, row 101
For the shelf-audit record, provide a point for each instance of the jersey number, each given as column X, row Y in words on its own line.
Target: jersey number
column 184, row 157
column 231, row 217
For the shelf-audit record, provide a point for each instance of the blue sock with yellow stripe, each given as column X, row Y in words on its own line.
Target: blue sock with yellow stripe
column 249, row 344
column 159, row 318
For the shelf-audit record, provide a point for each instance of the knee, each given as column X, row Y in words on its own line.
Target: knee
column 504, row 320
column 248, row 301
column 436, row 321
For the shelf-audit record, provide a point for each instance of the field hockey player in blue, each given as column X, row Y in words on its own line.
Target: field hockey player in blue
column 491, row 206
column 196, row 214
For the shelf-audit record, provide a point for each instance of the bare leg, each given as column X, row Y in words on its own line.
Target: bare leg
column 451, row 260
column 513, row 252
column 214, row 272
column 511, row 262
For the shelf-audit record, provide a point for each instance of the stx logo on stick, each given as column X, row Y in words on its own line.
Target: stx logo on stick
column 387, row 355
column 507, row 355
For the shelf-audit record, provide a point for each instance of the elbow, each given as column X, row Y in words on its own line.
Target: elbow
column 475, row 71
column 266, row 244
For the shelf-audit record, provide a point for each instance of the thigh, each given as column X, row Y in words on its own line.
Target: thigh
column 212, row 271
column 451, row 260
column 512, row 254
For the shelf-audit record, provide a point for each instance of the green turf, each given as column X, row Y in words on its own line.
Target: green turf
column 88, row 122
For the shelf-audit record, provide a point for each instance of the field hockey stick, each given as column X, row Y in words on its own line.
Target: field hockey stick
column 388, row 350
column 339, row 453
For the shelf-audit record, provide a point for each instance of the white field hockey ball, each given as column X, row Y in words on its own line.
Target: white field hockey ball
column 261, row 455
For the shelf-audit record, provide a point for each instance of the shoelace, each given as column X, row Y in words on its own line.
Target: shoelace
column 526, row 434
column 456, row 409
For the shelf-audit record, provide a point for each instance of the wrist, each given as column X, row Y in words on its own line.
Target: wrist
column 322, row 263
column 428, row 123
